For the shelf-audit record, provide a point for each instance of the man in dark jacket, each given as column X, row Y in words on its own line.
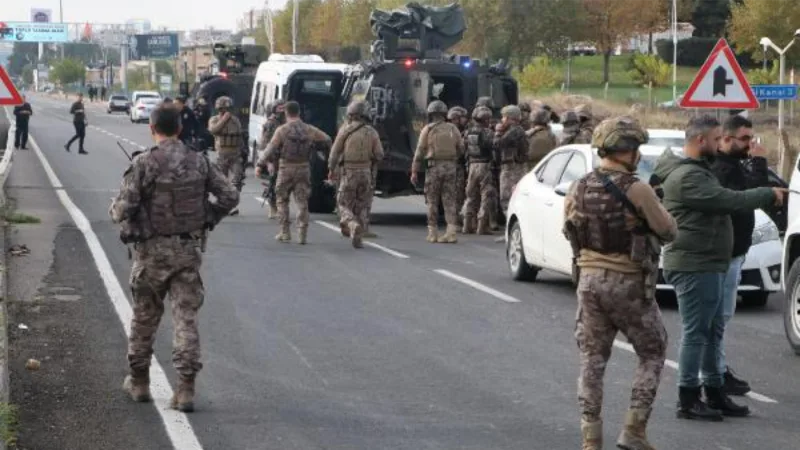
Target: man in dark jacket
column 697, row 261
column 728, row 165
column 189, row 123
column 22, row 114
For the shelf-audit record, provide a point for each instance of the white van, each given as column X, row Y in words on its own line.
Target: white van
column 141, row 94
column 307, row 79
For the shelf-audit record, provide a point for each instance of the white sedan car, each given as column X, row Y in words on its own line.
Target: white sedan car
column 534, row 240
column 140, row 111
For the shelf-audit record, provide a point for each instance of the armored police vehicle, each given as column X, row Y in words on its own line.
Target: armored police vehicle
column 409, row 69
column 234, row 78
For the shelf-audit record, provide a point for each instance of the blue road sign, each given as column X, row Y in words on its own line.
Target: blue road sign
column 775, row 91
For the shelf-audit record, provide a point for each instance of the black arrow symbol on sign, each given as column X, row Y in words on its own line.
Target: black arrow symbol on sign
column 721, row 81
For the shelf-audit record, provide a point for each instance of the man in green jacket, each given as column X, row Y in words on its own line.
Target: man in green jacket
column 696, row 262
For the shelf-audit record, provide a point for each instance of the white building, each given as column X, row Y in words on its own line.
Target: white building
column 139, row 26
column 207, row 36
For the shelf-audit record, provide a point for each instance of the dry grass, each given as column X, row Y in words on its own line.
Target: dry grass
column 765, row 121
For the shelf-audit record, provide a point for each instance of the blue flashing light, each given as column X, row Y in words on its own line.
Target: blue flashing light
column 467, row 64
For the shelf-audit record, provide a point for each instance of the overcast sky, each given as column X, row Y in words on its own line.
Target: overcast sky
column 175, row 14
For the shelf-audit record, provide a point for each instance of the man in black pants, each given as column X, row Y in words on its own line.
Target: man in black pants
column 79, row 121
column 22, row 113
column 189, row 124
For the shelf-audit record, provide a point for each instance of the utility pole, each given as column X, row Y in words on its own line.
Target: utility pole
column 268, row 27
column 61, row 19
column 294, row 27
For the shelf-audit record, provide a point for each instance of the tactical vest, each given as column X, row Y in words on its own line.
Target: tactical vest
column 442, row 143
column 357, row 146
column 516, row 151
column 600, row 218
column 231, row 135
column 479, row 145
column 178, row 202
column 297, row 144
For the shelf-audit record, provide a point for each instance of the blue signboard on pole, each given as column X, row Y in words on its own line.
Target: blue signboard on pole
column 775, row 91
column 33, row 32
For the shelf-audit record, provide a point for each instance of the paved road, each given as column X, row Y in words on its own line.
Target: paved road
column 404, row 345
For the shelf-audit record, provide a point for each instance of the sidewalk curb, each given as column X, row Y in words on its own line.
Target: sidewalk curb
column 5, row 167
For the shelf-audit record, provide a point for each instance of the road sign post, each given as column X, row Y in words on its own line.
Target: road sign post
column 720, row 83
column 9, row 95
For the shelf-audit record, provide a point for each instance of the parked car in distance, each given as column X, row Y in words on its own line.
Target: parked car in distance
column 534, row 238
column 118, row 102
column 140, row 111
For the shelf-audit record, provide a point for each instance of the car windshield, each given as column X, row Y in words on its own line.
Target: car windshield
column 118, row 97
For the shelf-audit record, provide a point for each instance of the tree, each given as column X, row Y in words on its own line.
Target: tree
column 325, row 20
column 68, row 71
column 709, row 17
column 753, row 19
column 608, row 22
column 163, row 67
column 354, row 29
column 482, row 18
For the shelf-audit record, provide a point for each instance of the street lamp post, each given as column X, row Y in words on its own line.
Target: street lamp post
column 675, row 52
column 767, row 42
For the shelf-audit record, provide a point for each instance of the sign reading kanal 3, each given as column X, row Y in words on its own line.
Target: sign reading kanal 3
column 153, row 46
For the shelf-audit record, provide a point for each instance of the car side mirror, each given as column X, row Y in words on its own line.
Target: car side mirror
column 563, row 188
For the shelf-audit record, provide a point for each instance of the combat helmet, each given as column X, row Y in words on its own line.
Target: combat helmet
column 482, row 113
column 223, row 102
column 570, row 119
column 618, row 133
column 584, row 112
column 525, row 107
column 437, row 107
column 486, row 102
column 512, row 112
column 358, row 109
column 456, row 112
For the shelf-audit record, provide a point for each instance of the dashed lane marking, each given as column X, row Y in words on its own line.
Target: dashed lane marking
column 479, row 286
column 386, row 250
column 177, row 424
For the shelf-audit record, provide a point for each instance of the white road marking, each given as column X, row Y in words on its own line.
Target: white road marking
column 386, row 250
column 481, row 287
column 177, row 423
column 673, row 364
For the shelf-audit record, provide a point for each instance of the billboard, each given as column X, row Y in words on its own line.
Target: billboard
column 153, row 46
column 39, row 15
column 33, row 32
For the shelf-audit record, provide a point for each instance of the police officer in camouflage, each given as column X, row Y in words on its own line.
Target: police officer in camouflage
column 356, row 149
column 276, row 118
column 439, row 149
column 163, row 208
column 291, row 149
column 227, row 132
column 458, row 116
column 571, row 128
column 616, row 225
column 586, row 124
column 511, row 147
column 541, row 139
column 525, row 109
column 481, row 193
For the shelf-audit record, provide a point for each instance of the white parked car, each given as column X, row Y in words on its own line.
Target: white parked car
column 534, row 240
column 790, row 275
column 140, row 111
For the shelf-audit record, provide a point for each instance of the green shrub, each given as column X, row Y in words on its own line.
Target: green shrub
column 538, row 75
column 762, row 76
column 650, row 69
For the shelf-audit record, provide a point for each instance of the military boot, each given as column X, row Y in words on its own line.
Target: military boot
column 183, row 398
column 273, row 212
column 433, row 235
column 634, row 436
column 592, row 433
column 450, row 236
column 355, row 235
column 138, row 387
column 285, row 235
column 303, row 235
column 469, row 225
column 483, row 227
column 345, row 229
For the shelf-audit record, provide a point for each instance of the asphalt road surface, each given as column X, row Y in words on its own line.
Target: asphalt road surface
column 401, row 345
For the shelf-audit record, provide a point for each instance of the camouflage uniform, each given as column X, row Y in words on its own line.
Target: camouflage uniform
column 480, row 192
column 617, row 263
column 487, row 102
column 439, row 148
column 525, row 121
column 292, row 148
column 586, row 128
column 270, row 126
column 228, row 141
column 571, row 128
column 541, row 139
column 457, row 116
column 511, row 146
column 356, row 149
column 163, row 209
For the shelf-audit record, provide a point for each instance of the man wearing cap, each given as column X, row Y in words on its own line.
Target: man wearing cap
column 541, row 139
column 615, row 224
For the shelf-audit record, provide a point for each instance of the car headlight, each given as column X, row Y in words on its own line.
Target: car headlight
column 765, row 233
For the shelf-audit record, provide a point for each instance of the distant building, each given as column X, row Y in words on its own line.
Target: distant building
column 200, row 60
column 641, row 42
column 139, row 26
column 207, row 36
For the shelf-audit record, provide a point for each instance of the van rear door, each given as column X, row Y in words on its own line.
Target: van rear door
column 318, row 93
